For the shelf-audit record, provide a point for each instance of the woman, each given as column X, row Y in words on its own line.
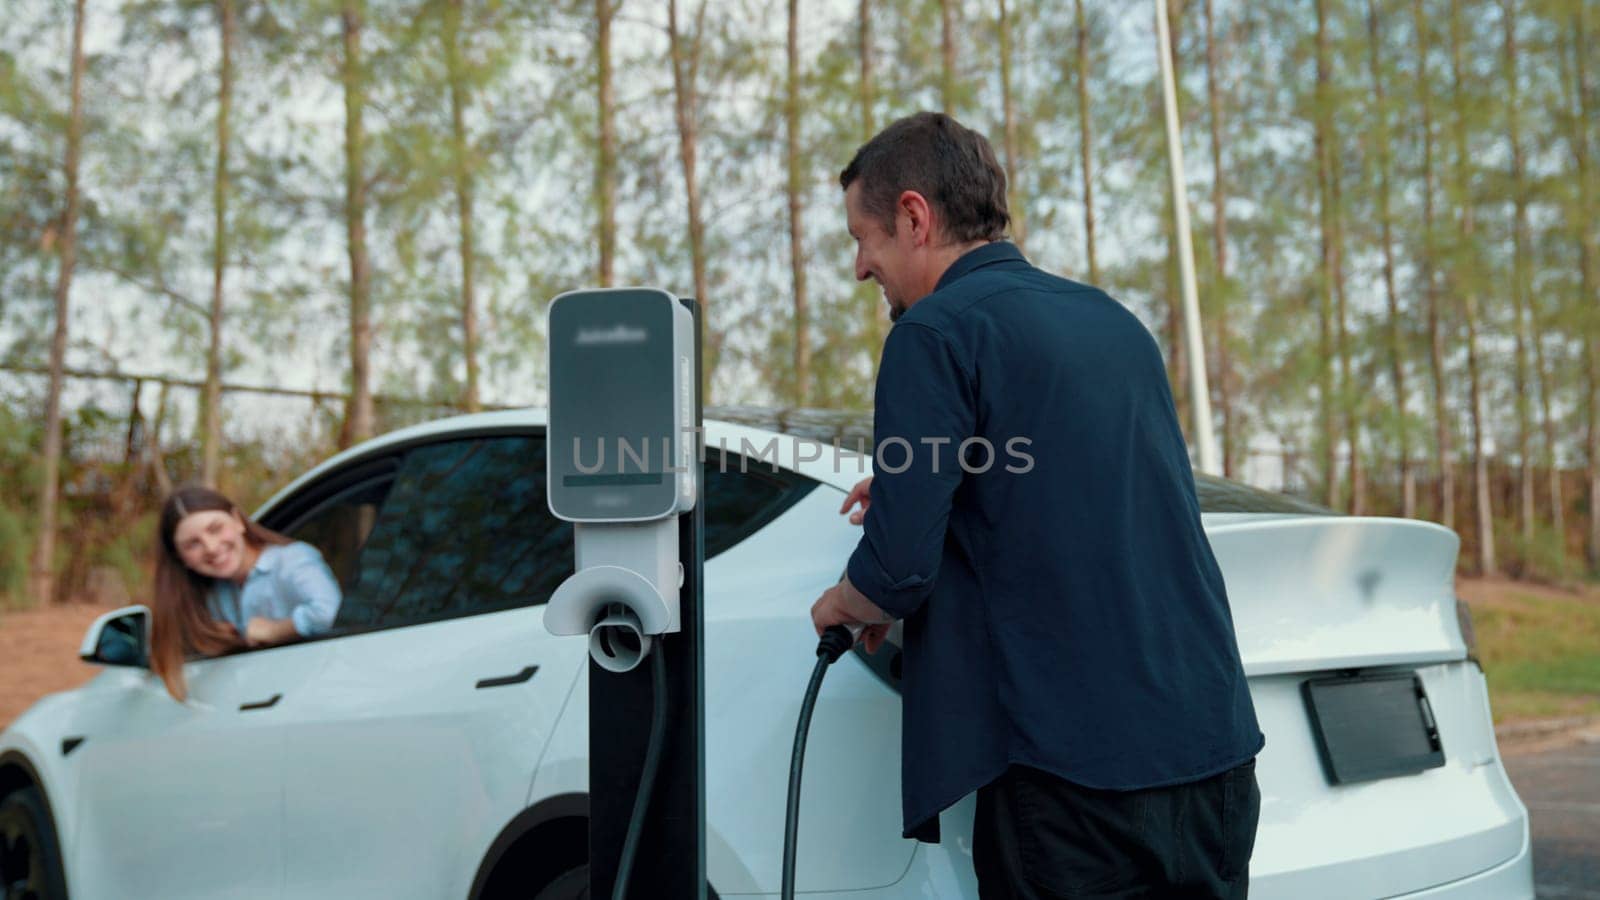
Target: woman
column 224, row 583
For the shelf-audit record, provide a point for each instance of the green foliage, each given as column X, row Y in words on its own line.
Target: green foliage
column 16, row 546
column 527, row 76
column 1542, row 557
column 1538, row 653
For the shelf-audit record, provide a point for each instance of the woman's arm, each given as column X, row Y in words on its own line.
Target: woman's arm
column 264, row 632
column 315, row 591
column 306, row 582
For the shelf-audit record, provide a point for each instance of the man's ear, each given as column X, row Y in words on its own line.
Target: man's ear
column 915, row 214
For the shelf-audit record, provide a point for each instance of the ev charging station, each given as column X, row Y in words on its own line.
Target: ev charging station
column 623, row 465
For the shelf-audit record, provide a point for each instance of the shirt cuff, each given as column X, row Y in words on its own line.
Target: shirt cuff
column 306, row 622
column 899, row 598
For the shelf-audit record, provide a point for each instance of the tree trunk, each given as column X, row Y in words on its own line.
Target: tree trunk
column 1019, row 229
column 869, row 124
column 947, row 47
column 42, row 588
column 1446, row 496
column 869, row 127
column 211, row 404
column 796, row 190
column 462, row 176
column 605, row 176
column 1325, row 213
column 156, row 455
column 1547, row 426
column 685, row 68
column 1465, row 282
column 1588, row 302
column 1177, row 352
column 1347, row 391
column 1520, row 290
column 358, row 414
column 1085, row 140
column 133, row 446
column 1355, row 475
column 1408, row 481
column 1221, row 294
column 1546, row 379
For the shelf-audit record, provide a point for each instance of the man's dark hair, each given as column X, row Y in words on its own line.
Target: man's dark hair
column 949, row 164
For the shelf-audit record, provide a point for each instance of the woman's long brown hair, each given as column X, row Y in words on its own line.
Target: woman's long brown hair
column 181, row 623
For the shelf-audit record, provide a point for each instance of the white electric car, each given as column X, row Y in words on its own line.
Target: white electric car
column 434, row 745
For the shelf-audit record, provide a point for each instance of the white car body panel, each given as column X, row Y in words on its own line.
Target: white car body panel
column 380, row 739
column 203, row 780
column 1326, row 592
column 367, row 774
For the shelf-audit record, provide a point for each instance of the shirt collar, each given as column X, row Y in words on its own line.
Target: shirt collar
column 266, row 562
column 986, row 255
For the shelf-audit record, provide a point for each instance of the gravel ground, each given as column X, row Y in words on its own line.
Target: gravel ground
column 1560, row 783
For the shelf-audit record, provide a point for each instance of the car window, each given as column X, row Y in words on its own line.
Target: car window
column 464, row 530
column 1219, row 495
column 340, row 526
column 742, row 496
column 462, row 527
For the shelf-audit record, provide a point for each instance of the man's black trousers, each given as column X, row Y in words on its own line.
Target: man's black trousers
column 1039, row 836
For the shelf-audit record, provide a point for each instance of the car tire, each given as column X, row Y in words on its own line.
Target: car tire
column 30, row 856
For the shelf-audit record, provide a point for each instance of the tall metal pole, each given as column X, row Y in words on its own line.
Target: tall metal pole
column 1200, row 392
column 671, row 860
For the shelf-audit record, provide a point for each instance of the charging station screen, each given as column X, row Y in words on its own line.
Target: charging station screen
column 612, row 395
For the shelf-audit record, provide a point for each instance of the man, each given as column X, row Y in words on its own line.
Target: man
column 1069, row 653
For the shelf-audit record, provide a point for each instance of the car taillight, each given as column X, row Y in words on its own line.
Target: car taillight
column 1469, row 635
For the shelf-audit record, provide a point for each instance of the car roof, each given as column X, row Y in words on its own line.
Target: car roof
column 833, row 447
column 811, row 454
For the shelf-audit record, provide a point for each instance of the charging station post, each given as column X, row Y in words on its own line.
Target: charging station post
column 625, row 371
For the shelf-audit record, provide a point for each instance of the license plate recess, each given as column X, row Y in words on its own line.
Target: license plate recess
column 1372, row 726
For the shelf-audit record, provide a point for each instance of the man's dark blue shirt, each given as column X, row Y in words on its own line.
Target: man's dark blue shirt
column 1062, row 606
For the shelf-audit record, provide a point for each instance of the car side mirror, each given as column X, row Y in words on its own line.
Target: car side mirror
column 119, row 638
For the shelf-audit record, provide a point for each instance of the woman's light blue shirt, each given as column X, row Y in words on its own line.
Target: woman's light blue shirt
column 289, row 581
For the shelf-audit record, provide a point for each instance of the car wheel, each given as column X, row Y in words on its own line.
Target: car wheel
column 30, row 858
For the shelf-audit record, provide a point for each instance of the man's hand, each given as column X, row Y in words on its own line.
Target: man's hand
column 842, row 604
column 263, row 632
column 862, row 494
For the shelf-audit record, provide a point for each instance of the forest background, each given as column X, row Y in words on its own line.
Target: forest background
column 236, row 235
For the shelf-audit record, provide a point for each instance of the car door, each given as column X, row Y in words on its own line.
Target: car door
column 182, row 800
column 441, row 683
column 187, row 800
column 760, row 650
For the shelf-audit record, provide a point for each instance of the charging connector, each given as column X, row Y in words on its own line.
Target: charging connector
column 835, row 642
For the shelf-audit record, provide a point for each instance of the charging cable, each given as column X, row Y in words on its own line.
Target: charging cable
column 647, row 778
column 835, row 641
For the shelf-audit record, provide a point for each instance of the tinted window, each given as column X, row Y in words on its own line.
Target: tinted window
column 1221, row 495
column 739, row 503
column 464, row 530
column 341, row 526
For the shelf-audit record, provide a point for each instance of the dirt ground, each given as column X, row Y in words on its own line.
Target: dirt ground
column 1498, row 591
column 39, row 652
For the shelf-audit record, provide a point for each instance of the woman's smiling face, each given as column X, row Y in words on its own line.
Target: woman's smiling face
column 211, row 542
